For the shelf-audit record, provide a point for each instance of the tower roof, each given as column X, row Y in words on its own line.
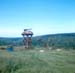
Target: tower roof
column 27, row 32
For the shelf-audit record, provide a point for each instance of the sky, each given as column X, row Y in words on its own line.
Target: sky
column 42, row 16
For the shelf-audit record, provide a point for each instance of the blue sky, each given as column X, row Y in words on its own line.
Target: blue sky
column 43, row 16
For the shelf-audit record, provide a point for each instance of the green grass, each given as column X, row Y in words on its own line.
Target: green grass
column 32, row 61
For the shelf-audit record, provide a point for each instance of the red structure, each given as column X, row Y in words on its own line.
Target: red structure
column 27, row 35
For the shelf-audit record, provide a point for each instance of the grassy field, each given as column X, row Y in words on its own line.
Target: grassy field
column 33, row 61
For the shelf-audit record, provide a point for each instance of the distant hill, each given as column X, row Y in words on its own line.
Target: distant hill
column 10, row 41
column 65, row 40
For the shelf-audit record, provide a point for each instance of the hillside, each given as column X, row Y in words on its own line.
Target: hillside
column 65, row 40
column 35, row 61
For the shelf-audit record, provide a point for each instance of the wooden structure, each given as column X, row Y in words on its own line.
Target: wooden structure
column 27, row 35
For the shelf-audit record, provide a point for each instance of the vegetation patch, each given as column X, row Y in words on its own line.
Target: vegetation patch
column 33, row 61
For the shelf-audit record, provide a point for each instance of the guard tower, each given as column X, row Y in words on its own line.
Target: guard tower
column 27, row 35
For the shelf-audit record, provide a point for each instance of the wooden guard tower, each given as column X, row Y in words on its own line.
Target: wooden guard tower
column 27, row 35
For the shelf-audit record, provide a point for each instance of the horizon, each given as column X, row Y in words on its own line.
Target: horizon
column 37, row 35
column 42, row 16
